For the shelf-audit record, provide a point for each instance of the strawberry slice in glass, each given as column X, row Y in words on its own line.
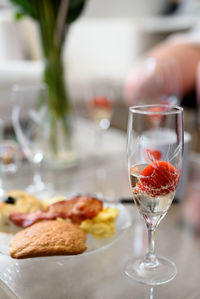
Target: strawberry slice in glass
column 152, row 155
column 158, row 179
column 101, row 102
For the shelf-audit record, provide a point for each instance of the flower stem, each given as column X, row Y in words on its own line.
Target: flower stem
column 58, row 101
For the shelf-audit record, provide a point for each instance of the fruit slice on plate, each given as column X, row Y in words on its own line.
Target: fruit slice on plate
column 158, row 179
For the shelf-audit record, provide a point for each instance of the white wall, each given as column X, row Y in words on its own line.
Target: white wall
column 123, row 8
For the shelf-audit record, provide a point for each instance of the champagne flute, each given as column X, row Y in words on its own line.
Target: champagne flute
column 100, row 99
column 29, row 116
column 154, row 176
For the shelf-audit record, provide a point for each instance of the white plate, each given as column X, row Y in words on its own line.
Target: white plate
column 123, row 221
column 65, row 276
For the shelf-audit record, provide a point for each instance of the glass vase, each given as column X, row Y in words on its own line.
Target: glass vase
column 60, row 149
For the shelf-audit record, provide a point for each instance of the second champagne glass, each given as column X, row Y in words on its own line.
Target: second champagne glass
column 29, row 117
column 100, row 98
column 154, row 170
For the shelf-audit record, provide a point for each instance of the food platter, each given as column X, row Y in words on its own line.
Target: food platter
column 123, row 222
column 60, row 274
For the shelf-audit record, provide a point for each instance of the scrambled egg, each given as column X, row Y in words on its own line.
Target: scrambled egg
column 103, row 225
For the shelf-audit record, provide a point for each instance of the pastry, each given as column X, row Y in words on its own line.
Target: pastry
column 17, row 201
column 47, row 238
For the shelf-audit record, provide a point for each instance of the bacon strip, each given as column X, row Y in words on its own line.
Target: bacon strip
column 77, row 209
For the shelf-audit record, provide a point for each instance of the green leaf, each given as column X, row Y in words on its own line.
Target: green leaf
column 26, row 7
column 19, row 15
column 29, row 7
column 75, row 9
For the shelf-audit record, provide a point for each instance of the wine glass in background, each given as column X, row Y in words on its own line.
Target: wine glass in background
column 11, row 156
column 100, row 97
column 154, row 177
column 29, row 115
column 154, row 81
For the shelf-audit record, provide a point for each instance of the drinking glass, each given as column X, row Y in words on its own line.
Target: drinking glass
column 100, row 97
column 154, row 171
column 29, row 115
column 11, row 156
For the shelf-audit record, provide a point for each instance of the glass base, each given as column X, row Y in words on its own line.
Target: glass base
column 164, row 271
column 42, row 190
column 2, row 194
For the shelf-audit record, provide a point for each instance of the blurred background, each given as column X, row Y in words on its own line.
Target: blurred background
column 102, row 44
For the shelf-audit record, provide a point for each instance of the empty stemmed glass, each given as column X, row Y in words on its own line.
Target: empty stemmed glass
column 100, row 105
column 154, row 174
column 29, row 116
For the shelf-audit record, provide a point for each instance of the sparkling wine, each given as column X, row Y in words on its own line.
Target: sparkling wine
column 100, row 108
column 153, row 205
column 99, row 113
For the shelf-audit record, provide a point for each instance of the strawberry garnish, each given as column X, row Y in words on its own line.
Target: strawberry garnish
column 101, row 102
column 153, row 155
column 157, row 179
column 158, row 113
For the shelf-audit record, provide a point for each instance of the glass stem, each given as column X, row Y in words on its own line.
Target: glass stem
column 2, row 185
column 99, row 137
column 150, row 293
column 150, row 259
column 37, row 175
